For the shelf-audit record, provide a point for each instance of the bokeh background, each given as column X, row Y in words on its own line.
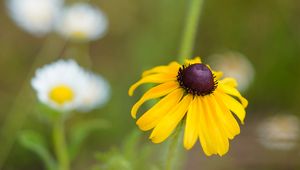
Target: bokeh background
column 143, row 34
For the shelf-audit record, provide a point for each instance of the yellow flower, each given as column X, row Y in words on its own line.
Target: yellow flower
column 194, row 93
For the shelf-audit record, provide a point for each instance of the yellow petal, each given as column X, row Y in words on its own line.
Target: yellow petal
column 229, row 82
column 220, row 141
column 173, row 67
column 218, row 117
column 235, row 106
column 204, row 138
column 233, row 92
column 166, row 126
column 218, row 74
column 156, row 78
column 191, row 126
column 193, row 61
column 155, row 92
column 226, row 118
column 153, row 116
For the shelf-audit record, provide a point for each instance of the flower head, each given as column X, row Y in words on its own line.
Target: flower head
column 192, row 92
column 35, row 16
column 96, row 92
column 279, row 132
column 82, row 22
column 235, row 65
column 65, row 86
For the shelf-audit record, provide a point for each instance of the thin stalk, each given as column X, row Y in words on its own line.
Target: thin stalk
column 24, row 101
column 190, row 29
column 173, row 148
column 80, row 52
column 186, row 49
column 60, row 144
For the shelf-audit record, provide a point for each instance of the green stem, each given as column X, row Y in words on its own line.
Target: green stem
column 79, row 52
column 173, row 148
column 186, row 49
column 60, row 144
column 24, row 101
column 190, row 29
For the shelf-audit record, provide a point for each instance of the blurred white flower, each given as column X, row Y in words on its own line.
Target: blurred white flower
column 35, row 16
column 279, row 132
column 82, row 22
column 65, row 86
column 96, row 92
column 235, row 65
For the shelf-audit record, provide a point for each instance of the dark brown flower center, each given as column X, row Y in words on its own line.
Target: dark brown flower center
column 197, row 79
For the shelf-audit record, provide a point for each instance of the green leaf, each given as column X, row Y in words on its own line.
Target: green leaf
column 36, row 143
column 47, row 113
column 113, row 160
column 138, row 155
column 130, row 144
column 133, row 155
column 81, row 131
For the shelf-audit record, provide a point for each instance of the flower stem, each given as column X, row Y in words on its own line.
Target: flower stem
column 60, row 144
column 186, row 49
column 79, row 52
column 173, row 147
column 190, row 29
column 24, row 101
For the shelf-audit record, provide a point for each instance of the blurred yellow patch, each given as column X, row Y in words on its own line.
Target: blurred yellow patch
column 61, row 94
column 79, row 35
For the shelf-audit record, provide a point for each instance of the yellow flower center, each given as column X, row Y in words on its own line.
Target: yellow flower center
column 80, row 35
column 61, row 94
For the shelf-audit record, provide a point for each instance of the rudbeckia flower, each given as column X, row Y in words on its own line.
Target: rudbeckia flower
column 65, row 86
column 196, row 94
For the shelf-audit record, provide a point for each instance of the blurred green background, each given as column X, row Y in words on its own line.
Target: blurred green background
column 143, row 34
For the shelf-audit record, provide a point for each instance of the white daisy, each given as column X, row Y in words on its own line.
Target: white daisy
column 235, row 65
column 82, row 22
column 60, row 85
column 65, row 86
column 279, row 132
column 35, row 16
column 96, row 92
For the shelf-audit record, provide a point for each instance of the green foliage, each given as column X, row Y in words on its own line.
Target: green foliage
column 113, row 160
column 130, row 157
column 47, row 113
column 36, row 143
column 81, row 131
